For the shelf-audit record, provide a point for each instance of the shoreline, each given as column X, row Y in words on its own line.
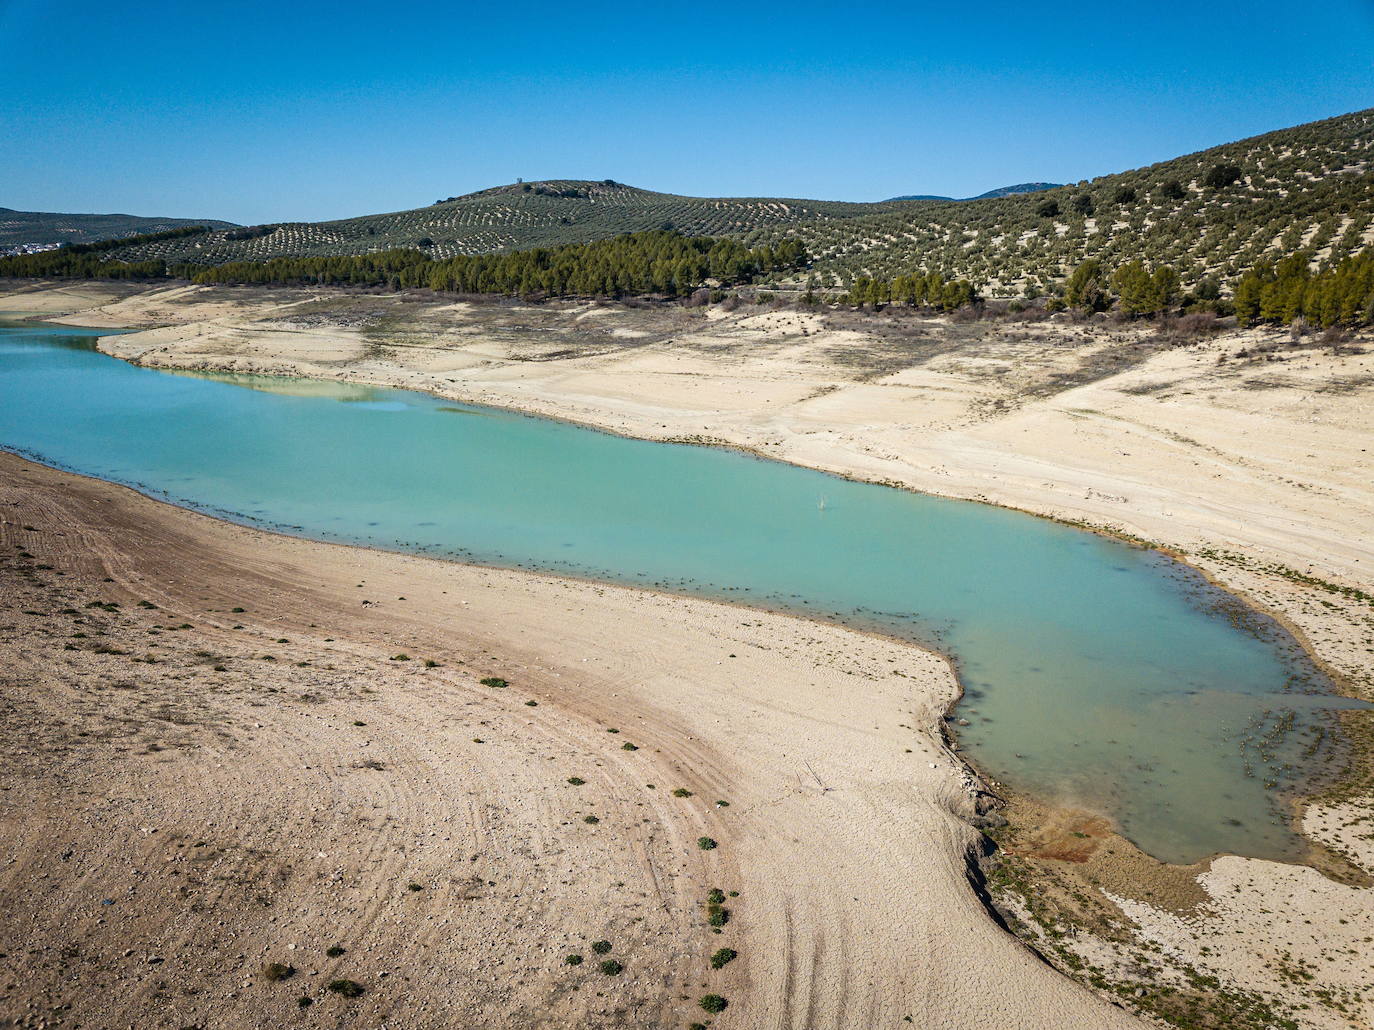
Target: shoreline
column 987, row 785
column 1248, row 583
column 1296, row 804
column 145, row 543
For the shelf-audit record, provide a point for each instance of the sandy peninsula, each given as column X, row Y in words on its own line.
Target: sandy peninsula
column 846, row 832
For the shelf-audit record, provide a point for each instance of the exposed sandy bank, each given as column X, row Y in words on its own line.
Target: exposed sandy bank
column 176, row 810
column 1246, row 454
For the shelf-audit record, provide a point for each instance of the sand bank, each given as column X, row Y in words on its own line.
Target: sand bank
column 179, row 809
column 1243, row 453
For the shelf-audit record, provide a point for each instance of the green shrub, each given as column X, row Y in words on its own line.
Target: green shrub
column 713, row 1003
column 494, row 681
column 601, row 947
column 682, row 792
column 573, row 960
column 723, row 957
column 576, row 781
column 706, row 844
column 275, row 971
column 335, row 950
column 611, row 967
column 346, row 988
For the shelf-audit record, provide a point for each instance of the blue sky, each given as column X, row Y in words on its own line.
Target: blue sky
column 259, row 112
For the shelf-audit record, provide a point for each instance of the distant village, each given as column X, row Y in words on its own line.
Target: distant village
column 27, row 248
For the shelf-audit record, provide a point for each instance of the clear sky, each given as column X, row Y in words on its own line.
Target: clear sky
column 259, row 112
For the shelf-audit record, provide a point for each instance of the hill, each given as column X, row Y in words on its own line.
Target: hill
column 48, row 227
column 1003, row 191
column 1214, row 213
column 512, row 217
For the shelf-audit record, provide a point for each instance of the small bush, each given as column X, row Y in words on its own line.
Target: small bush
column 601, row 947
column 430, row 663
column 576, row 781
column 305, row 1003
column 611, row 967
column 627, row 746
column 573, row 960
column 335, row 950
column 706, row 844
column 716, row 897
column 590, row 820
column 1223, row 175
column 717, row 915
column 494, row 681
column 723, row 957
column 414, row 887
column 275, row 971
column 713, row 1003
column 682, row 792
column 346, row 988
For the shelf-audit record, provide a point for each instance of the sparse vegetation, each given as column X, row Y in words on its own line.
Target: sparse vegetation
column 713, row 1003
column 275, row 971
column 723, row 957
column 610, row 967
column 346, row 988
column 706, row 843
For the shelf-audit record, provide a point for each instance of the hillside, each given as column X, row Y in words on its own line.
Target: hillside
column 1308, row 188
column 520, row 215
column 1002, row 191
column 1213, row 213
column 47, row 227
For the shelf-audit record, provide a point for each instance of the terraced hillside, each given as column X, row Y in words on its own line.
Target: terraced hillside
column 1213, row 213
column 46, row 227
column 513, row 217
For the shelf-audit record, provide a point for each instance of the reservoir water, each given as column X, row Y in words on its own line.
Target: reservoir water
column 1096, row 673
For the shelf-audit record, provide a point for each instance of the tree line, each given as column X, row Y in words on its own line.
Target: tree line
column 923, row 289
column 1275, row 292
column 659, row 262
column 1283, row 291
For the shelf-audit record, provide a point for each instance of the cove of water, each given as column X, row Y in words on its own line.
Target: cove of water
column 1095, row 673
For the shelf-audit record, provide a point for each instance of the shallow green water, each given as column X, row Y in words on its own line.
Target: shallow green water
column 1096, row 673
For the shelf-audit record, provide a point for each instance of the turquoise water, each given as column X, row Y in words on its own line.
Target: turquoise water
column 1095, row 673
